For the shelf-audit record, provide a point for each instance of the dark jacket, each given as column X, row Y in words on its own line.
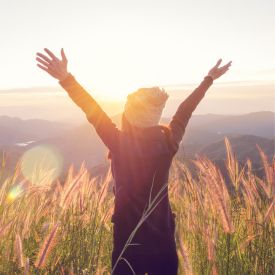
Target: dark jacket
column 140, row 163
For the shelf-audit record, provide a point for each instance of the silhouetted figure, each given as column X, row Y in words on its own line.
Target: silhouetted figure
column 141, row 154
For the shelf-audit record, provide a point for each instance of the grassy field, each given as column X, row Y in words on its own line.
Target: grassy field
column 54, row 228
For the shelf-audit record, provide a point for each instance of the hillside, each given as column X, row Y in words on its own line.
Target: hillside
column 204, row 135
column 78, row 145
column 244, row 146
column 15, row 130
column 257, row 123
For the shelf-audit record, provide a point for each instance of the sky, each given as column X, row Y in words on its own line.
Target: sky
column 115, row 47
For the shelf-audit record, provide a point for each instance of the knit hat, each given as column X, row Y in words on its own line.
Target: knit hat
column 144, row 107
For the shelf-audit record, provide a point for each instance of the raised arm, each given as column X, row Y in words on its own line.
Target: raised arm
column 180, row 119
column 57, row 68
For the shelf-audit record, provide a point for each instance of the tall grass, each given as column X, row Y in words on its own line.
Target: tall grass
column 65, row 228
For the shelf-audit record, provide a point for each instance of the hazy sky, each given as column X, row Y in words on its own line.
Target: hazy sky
column 114, row 47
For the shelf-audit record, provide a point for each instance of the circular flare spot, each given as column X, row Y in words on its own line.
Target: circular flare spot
column 14, row 192
column 41, row 164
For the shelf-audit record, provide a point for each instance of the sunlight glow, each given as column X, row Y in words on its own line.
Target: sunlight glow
column 42, row 164
column 15, row 192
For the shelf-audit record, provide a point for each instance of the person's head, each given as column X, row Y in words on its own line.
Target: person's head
column 143, row 108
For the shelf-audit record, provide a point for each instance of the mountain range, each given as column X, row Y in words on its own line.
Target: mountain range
column 204, row 135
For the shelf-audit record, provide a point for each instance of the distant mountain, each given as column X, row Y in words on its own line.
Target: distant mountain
column 10, row 155
column 205, row 129
column 15, row 130
column 204, row 134
column 258, row 124
column 83, row 143
column 77, row 145
column 244, row 147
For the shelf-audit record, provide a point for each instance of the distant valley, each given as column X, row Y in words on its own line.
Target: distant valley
column 204, row 136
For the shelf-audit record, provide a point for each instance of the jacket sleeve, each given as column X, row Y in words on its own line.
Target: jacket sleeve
column 106, row 129
column 180, row 120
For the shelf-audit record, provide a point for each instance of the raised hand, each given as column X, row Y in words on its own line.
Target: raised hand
column 217, row 71
column 52, row 65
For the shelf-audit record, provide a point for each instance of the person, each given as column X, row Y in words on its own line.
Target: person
column 141, row 154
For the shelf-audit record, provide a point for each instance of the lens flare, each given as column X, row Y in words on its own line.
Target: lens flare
column 41, row 164
column 15, row 192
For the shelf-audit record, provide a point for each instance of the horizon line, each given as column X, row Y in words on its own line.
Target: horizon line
column 163, row 117
column 173, row 86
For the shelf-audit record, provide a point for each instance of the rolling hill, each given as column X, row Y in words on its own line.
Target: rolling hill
column 15, row 130
column 243, row 146
column 204, row 135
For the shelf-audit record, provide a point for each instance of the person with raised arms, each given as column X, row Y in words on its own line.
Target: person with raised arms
column 141, row 153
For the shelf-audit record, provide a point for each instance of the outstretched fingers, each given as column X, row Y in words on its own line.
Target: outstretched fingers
column 42, row 61
column 218, row 63
column 46, row 69
column 44, row 57
column 226, row 66
column 64, row 58
column 52, row 65
column 217, row 71
column 50, row 54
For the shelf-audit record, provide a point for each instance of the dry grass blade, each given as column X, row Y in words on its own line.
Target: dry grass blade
column 205, row 209
column 3, row 191
column 101, row 270
column 71, row 188
column 269, row 211
column 232, row 164
column 127, row 262
column 46, row 248
column 246, row 242
column 269, row 172
column 27, row 266
column 104, row 189
column 187, row 264
column 217, row 191
column 215, row 270
column 18, row 250
column 5, row 228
